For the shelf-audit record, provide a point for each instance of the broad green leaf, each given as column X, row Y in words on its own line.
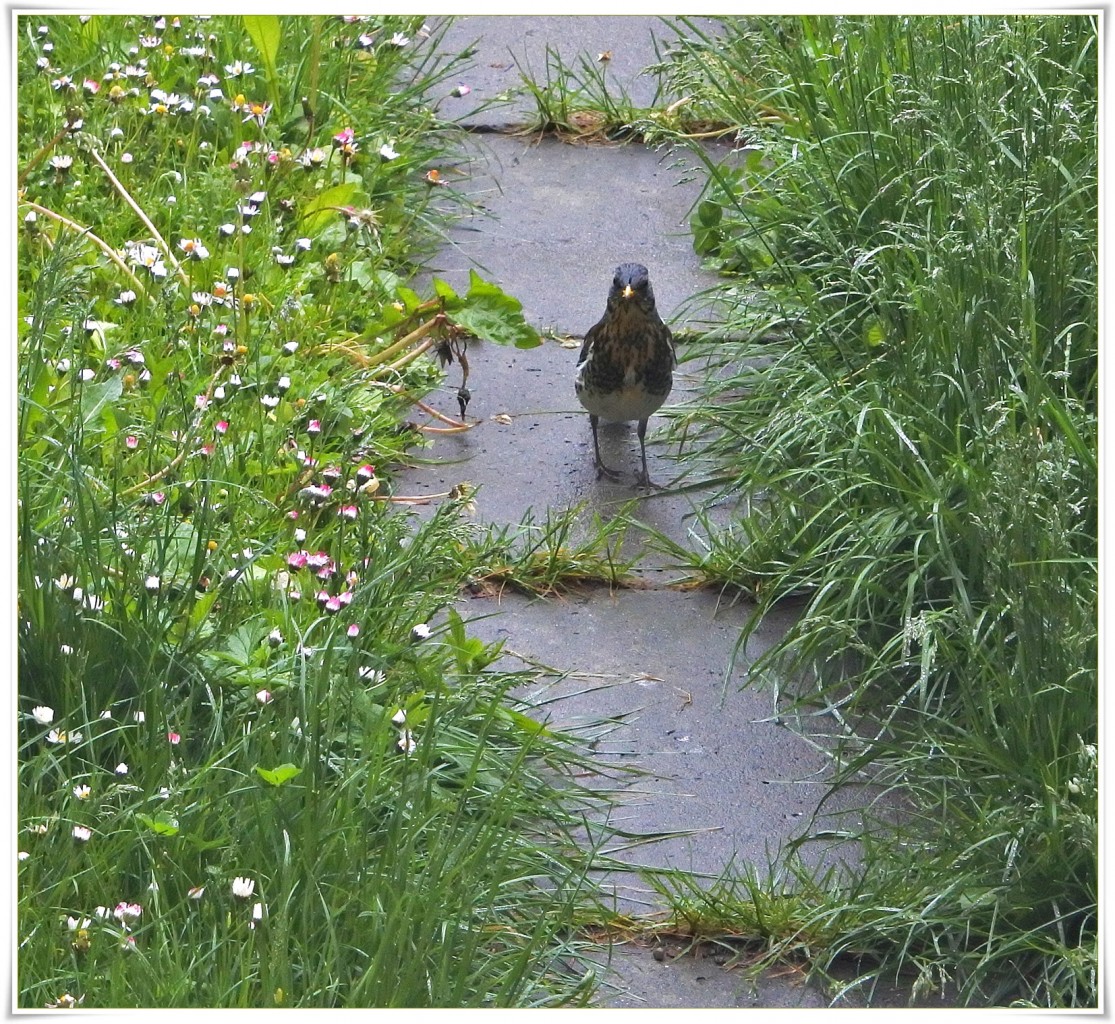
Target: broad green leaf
column 470, row 653
column 490, row 313
column 709, row 214
column 362, row 273
column 443, row 290
column 31, row 412
column 94, row 397
column 478, row 288
column 277, row 776
column 91, row 30
column 332, row 236
column 97, row 330
column 409, row 298
column 267, row 33
column 494, row 324
column 241, row 646
column 202, row 607
column 387, row 281
column 162, row 823
column 457, row 632
column 320, row 210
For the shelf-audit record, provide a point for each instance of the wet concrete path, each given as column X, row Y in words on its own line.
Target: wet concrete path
column 659, row 663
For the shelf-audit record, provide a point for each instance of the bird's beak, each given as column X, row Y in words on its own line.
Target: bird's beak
column 628, row 292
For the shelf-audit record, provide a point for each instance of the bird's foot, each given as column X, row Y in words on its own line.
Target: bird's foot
column 604, row 471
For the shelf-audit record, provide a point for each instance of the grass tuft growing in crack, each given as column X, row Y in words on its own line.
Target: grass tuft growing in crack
column 552, row 555
column 583, row 104
column 577, row 104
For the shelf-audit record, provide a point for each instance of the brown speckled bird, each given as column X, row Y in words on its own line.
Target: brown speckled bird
column 625, row 369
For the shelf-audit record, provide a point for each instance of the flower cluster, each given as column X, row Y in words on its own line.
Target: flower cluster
column 406, row 742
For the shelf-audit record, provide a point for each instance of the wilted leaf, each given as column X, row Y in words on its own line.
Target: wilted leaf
column 490, row 313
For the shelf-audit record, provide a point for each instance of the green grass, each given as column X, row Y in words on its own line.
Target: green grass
column 578, row 103
column 553, row 555
column 914, row 416
column 582, row 103
column 220, row 674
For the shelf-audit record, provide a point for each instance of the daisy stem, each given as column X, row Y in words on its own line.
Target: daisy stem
column 180, row 457
column 99, row 242
column 140, row 214
column 41, row 155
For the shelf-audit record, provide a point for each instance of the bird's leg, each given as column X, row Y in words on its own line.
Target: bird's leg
column 643, row 478
column 601, row 469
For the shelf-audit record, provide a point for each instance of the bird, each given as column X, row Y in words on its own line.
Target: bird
column 625, row 369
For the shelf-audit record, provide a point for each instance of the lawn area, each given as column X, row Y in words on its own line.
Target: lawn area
column 251, row 774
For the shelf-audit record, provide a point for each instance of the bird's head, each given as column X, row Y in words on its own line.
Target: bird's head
column 631, row 284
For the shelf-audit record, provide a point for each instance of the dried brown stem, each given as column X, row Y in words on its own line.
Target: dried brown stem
column 101, row 244
column 140, row 214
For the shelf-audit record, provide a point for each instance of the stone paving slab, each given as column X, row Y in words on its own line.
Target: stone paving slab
column 656, row 666
column 650, row 681
column 531, row 451
column 555, row 220
column 551, row 235
column 673, row 975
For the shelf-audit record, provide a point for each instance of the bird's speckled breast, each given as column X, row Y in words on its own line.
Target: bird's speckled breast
column 627, row 370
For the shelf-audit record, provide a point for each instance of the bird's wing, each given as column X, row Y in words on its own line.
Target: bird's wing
column 590, row 337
